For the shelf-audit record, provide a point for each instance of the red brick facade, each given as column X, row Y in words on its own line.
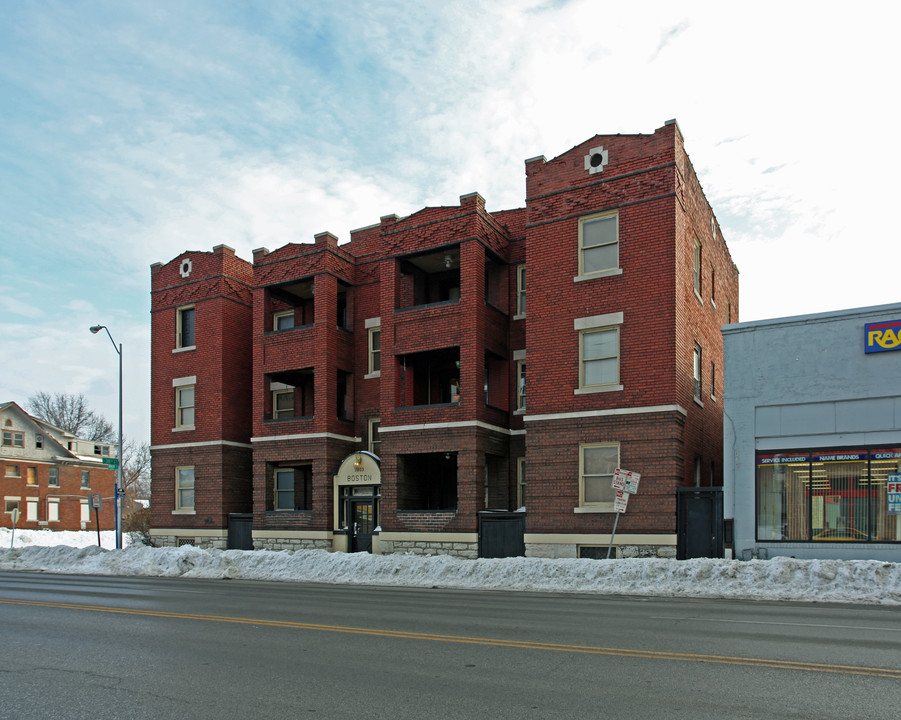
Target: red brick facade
column 284, row 389
column 49, row 483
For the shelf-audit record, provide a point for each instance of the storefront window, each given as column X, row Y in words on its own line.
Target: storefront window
column 783, row 483
column 840, row 496
column 849, row 495
column 885, row 474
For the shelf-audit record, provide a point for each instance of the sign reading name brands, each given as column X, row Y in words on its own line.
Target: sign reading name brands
column 882, row 336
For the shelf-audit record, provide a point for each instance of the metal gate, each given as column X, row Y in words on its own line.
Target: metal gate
column 699, row 519
column 502, row 534
column 240, row 531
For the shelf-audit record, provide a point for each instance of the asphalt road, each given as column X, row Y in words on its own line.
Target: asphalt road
column 96, row 647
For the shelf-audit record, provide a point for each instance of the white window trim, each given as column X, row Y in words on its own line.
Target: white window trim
column 184, row 510
column 584, row 507
column 520, row 393
column 180, row 384
column 520, row 482
column 520, row 289
column 369, row 354
column 369, row 424
column 606, row 272
column 697, row 277
column 276, row 491
column 598, row 323
column 276, row 392
column 280, row 314
column 178, row 311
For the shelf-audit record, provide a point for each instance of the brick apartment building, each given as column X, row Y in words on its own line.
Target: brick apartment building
column 380, row 394
column 49, row 475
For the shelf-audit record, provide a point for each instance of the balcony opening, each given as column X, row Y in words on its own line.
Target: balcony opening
column 344, row 322
column 497, row 486
column 427, row 482
column 496, row 381
column 429, row 378
column 344, row 402
column 289, row 305
column 429, row 278
column 289, row 394
column 496, row 294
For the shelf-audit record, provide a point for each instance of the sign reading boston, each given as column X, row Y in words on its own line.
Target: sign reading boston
column 882, row 336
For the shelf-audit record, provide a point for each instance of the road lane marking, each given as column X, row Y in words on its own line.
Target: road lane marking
column 493, row 642
column 781, row 624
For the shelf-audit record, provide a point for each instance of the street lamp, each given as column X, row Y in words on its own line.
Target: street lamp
column 119, row 489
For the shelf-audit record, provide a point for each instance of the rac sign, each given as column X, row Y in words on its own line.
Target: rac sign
column 882, row 336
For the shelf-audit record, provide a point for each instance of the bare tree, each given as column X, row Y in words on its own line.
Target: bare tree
column 71, row 413
column 135, row 472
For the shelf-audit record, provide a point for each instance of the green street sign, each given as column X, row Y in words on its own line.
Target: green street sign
column 112, row 463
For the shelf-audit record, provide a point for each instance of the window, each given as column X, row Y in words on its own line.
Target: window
column 343, row 395
column 293, row 488
column 39, row 441
column 98, row 450
column 713, row 380
column 713, row 287
column 184, row 322
column 599, row 357
column 13, row 439
column 184, row 488
column 53, row 476
column 31, row 509
column 599, row 244
column 86, row 478
column 696, row 267
column 696, row 371
column 521, row 385
column 283, row 403
column 520, row 482
column 12, row 471
column 375, row 350
column 53, row 510
column 596, row 465
column 375, row 442
column 184, row 406
column 836, row 495
column 283, row 320
column 31, row 476
column 85, row 512
column 12, row 504
column 520, row 289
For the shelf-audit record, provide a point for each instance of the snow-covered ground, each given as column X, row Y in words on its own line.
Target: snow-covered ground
column 868, row 581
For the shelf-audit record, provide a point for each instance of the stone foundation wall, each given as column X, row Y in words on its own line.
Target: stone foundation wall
column 291, row 544
column 411, row 547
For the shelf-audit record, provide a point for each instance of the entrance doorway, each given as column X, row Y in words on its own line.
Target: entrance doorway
column 361, row 515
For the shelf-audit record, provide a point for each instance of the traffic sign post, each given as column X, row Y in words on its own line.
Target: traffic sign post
column 625, row 483
column 15, row 519
column 97, row 503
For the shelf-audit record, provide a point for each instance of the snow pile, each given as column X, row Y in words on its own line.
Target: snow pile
column 862, row 581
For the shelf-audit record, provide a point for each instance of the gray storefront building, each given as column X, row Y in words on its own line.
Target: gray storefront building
column 812, row 430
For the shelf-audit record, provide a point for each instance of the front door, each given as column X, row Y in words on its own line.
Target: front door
column 361, row 524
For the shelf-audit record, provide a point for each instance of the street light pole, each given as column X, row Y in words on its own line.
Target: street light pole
column 120, row 491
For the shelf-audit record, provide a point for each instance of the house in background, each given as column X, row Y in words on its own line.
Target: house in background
column 813, row 435
column 48, row 475
column 389, row 393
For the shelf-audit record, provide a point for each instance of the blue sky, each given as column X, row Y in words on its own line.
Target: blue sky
column 133, row 131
